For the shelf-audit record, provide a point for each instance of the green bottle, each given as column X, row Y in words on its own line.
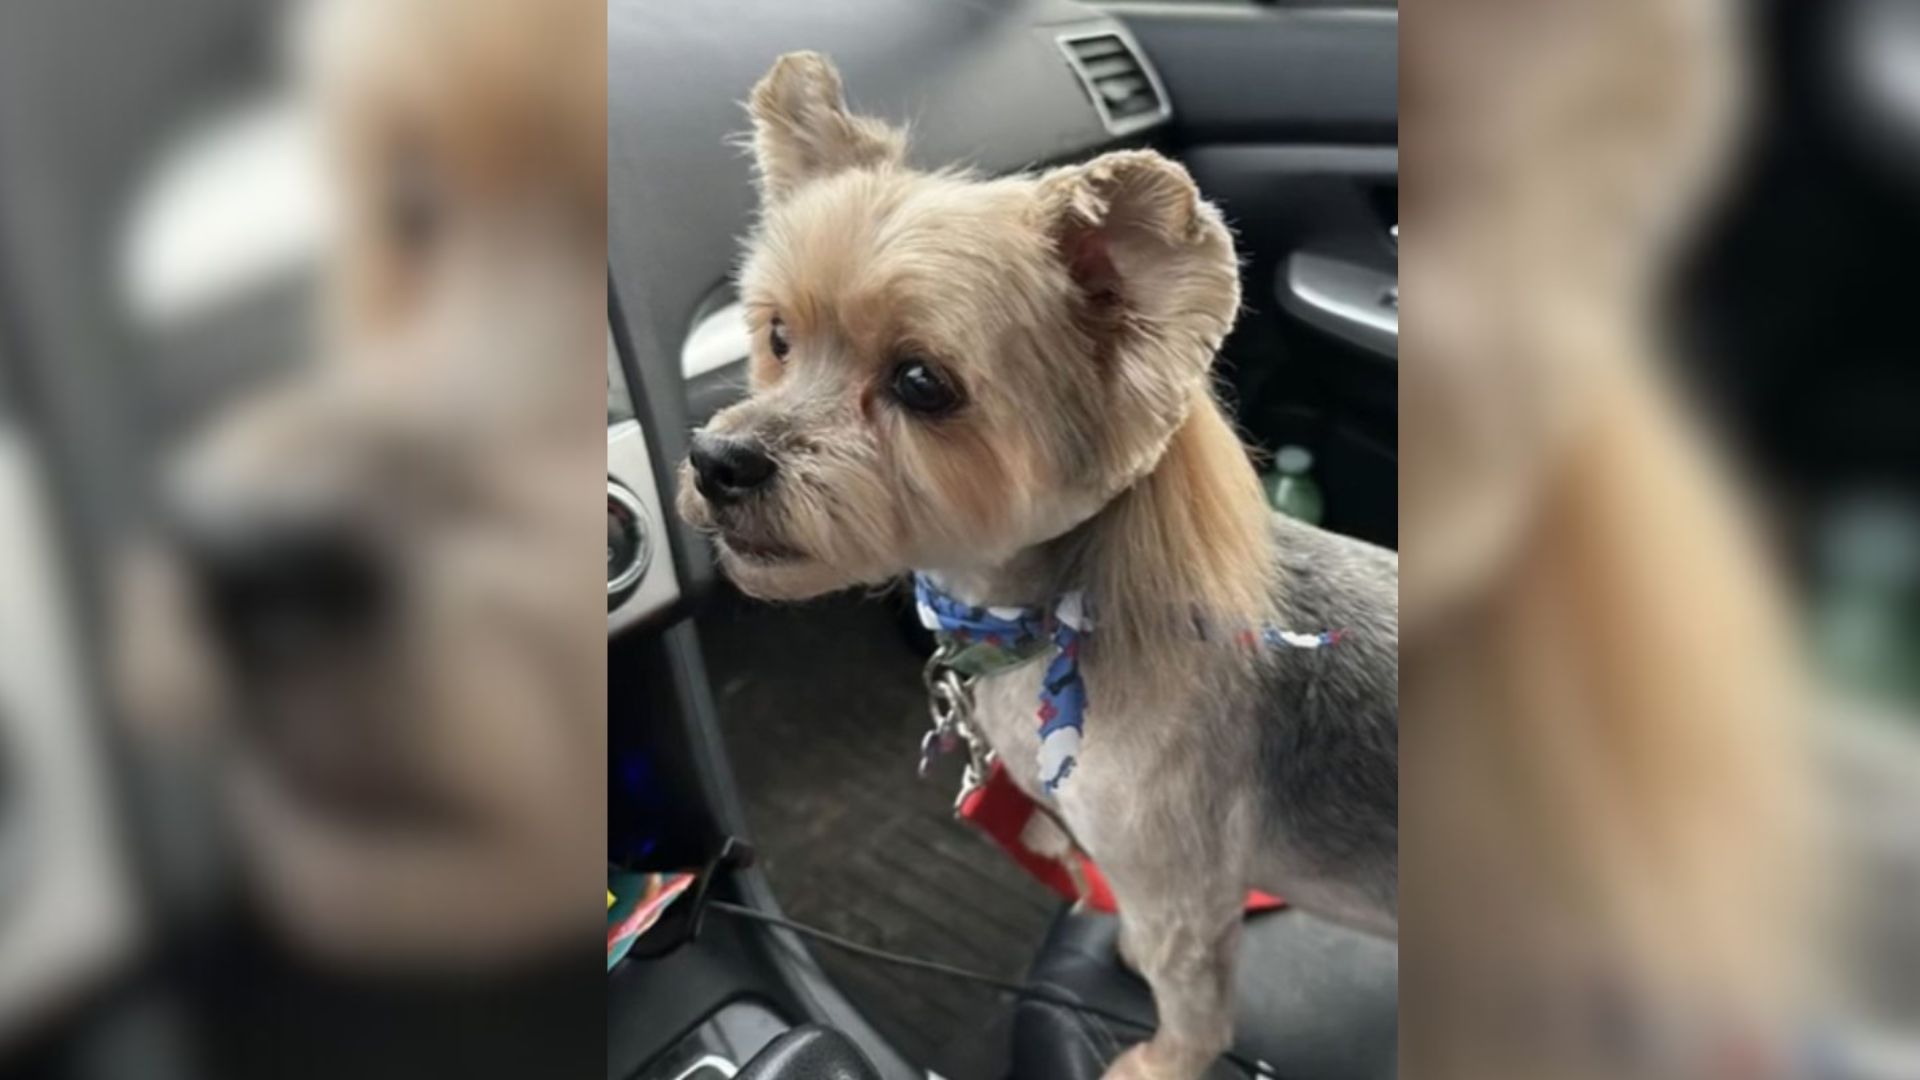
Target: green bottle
column 1290, row 488
column 1867, row 600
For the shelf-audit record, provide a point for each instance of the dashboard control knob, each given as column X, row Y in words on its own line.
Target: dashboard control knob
column 629, row 548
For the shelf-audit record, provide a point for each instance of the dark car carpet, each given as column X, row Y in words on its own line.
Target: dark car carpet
column 823, row 710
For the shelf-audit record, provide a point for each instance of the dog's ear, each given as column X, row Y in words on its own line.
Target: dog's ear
column 1152, row 263
column 802, row 130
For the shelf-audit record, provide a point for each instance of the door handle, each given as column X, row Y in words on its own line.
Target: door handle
column 1357, row 304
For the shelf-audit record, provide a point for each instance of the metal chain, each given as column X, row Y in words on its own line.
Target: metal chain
column 950, row 704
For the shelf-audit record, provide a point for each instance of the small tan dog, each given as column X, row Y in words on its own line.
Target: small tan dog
column 1003, row 385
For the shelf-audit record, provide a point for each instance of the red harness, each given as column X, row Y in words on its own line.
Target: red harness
column 1000, row 809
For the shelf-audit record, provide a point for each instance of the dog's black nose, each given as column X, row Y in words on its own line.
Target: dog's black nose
column 725, row 467
column 274, row 590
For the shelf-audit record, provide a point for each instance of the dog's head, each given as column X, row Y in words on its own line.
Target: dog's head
column 946, row 370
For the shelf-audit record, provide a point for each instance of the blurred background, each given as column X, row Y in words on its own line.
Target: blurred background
column 1789, row 313
column 301, row 334
column 1658, row 495
column 1787, row 308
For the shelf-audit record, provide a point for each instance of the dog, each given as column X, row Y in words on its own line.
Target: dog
column 1003, row 385
column 372, row 595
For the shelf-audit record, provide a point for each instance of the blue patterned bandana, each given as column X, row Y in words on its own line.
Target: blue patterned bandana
column 988, row 640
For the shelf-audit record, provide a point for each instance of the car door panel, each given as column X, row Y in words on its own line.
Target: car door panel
column 1288, row 119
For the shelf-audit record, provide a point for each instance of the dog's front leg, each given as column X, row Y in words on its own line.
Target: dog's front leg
column 1187, row 957
column 1181, row 923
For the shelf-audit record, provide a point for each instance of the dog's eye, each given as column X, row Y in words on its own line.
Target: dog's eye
column 777, row 338
column 919, row 387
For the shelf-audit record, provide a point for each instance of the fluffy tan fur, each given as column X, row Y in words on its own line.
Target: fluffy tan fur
column 1077, row 311
column 802, row 127
column 1203, row 500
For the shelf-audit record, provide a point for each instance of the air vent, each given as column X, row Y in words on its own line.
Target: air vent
column 1124, row 89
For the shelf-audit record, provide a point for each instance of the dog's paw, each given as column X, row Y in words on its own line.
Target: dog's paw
column 1138, row 1064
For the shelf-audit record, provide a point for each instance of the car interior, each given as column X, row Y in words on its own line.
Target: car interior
column 777, row 743
column 771, row 747
column 112, row 345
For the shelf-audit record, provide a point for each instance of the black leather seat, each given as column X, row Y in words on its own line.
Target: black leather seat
column 1316, row 1002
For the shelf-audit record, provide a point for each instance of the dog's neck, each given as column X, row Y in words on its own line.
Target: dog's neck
column 1033, row 577
column 1192, row 538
